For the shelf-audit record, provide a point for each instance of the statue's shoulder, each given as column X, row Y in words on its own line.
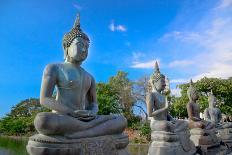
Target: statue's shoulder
column 51, row 69
column 88, row 75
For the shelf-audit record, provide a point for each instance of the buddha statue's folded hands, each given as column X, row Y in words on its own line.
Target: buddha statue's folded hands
column 84, row 115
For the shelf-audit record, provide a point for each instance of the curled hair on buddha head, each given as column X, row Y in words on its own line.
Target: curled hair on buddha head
column 73, row 34
column 191, row 90
column 156, row 75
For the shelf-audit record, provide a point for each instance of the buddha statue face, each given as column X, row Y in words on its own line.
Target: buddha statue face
column 160, row 84
column 78, row 50
column 193, row 94
column 212, row 101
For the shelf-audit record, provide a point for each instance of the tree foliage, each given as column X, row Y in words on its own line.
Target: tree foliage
column 20, row 120
column 222, row 89
column 108, row 101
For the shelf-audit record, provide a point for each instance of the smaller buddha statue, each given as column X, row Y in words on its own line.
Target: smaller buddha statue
column 168, row 136
column 202, row 131
column 213, row 114
column 193, row 109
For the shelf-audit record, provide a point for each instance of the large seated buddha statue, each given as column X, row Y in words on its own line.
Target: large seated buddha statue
column 168, row 136
column 213, row 114
column 202, row 131
column 73, row 126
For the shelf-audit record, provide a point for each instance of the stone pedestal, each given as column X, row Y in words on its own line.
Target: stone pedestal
column 204, row 137
column 58, row 145
column 168, row 143
column 206, row 141
column 225, row 135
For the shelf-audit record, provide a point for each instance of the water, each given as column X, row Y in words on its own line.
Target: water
column 17, row 146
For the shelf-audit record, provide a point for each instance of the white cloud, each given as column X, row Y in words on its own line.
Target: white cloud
column 176, row 92
column 137, row 55
column 183, row 36
column 77, row 6
column 113, row 27
column 214, row 56
column 180, row 63
column 224, row 4
column 179, row 80
column 144, row 65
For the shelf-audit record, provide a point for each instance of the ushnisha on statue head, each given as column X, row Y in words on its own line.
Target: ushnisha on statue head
column 212, row 100
column 157, row 79
column 75, row 43
column 192, row 92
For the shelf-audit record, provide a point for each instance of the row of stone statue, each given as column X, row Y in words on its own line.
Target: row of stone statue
column 171, row 136
column 74, row 128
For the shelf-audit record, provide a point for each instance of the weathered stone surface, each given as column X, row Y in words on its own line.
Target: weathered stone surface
column 168, row 136
column 73, row 126
column 58, row 145
column 167, row 143
column 204, row 137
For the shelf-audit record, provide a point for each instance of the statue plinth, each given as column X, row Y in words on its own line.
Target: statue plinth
column 169, row 143
column 58, row 145
column 204, row 137
column 225, row 135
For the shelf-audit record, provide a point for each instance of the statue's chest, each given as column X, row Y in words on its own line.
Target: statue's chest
column 213, row 112
column 196, row 108
column 69, row 78
column 160, row 100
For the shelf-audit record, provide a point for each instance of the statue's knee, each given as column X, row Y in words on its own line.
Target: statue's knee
column 42, row 122
column 123, row 121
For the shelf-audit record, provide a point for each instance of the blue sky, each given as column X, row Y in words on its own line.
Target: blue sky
column 190, row 39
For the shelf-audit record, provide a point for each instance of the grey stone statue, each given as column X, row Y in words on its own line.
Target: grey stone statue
column 74, row 110
column 213, row 114
column 193, row 109
column 168, row 136
column 202, row 132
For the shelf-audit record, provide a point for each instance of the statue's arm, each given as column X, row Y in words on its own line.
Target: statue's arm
column 48, row 84
column 150, row 102
column 190, row 113
column 92, row 97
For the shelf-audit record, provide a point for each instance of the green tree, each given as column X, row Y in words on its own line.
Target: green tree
column 20, row 120
column 122, row 86
column 222, row 89
column 108, row 100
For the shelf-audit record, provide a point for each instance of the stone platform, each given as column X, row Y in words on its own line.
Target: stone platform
column 206, row 142
column 168, row 143
column 57, row 145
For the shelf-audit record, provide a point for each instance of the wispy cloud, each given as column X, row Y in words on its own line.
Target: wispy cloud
column 213, row 58
column 180, row 63
column 224, row 4
column 179, row 80
column 144, row 65
column 113, row 27
column 77, row 6
column 176, row 92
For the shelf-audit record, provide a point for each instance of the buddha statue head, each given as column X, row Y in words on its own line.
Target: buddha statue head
column 192, row 92
column 212, row 100
column 76, row 43
column 157, row 79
